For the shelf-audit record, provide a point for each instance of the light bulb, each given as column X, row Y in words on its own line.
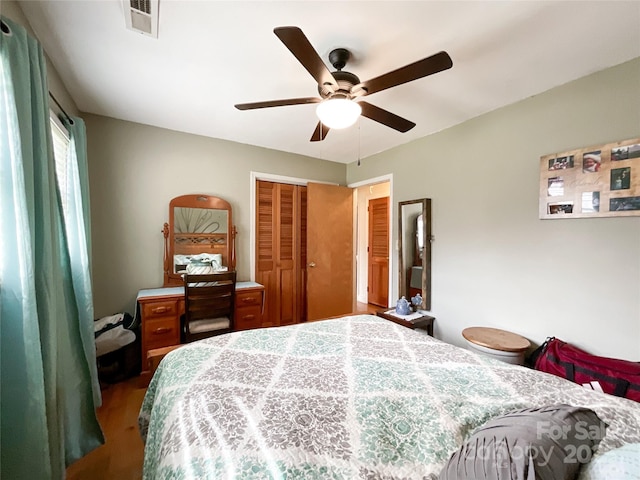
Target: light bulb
column 338, row 113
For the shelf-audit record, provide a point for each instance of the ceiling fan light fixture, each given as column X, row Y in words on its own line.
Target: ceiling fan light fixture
column 338, row 113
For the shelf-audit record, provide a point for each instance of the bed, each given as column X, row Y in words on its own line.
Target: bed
column 354, row 397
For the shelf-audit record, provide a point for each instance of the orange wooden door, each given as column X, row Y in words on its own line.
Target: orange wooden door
column 286, row 254
column 301, row 269
column 378, row 252
column 278, row 244
column 330, row 252
column 265, row 248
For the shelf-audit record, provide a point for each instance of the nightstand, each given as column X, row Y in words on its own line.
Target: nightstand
column 413, row 321
column 500, row 344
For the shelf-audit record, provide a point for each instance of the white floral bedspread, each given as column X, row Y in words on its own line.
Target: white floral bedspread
column 355, row 397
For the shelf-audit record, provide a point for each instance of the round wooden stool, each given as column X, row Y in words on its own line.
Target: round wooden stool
column 505, row 346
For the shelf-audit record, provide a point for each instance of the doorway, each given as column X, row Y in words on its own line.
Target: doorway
column 364, row 191
column 294, row 219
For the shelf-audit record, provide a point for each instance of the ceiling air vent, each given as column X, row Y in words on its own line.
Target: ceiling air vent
column 142, row 16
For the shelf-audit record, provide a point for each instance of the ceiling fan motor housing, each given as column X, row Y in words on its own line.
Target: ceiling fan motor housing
column 339, row 58
column 346, row 80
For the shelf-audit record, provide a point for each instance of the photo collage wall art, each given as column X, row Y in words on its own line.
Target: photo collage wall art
column 599, row 181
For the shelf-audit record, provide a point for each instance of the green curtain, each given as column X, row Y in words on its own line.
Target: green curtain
column 78, row 228
column 48, row 388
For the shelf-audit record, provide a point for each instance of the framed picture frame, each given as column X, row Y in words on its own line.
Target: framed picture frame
column 596, row 181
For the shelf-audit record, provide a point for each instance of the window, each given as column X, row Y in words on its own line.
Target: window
column 61, row 143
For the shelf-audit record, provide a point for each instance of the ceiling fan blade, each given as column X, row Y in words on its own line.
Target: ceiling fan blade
column 384, row 117
column 278, row 103
column 299, row 45
column 422, row 68
column 319, row 133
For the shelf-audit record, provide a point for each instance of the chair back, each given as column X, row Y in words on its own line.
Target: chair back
column 209, row 305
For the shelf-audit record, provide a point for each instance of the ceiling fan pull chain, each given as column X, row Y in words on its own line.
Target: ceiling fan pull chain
column 359, row 139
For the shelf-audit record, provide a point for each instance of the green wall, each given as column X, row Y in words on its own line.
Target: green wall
column 134, row 172
column 494, row 262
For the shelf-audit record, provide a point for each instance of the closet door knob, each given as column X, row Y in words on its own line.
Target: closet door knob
column 312, row 264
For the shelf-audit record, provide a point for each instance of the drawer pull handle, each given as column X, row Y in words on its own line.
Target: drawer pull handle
column 248, row 317
column 161, row 330
column 248, row 300
column 160, row 309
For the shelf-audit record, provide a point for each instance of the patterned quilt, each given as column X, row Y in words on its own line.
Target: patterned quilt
column 355, row 397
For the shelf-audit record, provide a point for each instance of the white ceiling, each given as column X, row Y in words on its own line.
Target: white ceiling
column 210, row 55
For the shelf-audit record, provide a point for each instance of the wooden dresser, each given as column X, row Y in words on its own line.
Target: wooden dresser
column 159, row 310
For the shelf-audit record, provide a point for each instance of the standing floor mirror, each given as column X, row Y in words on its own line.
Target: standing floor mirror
column 415, row 250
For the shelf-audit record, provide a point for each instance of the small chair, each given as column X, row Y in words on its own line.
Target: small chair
column 209, row 305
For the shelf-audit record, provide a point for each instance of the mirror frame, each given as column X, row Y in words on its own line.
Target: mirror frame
column 195, row 201
column 426, row 254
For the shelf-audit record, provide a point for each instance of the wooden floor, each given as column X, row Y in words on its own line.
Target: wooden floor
column 122, row 454
column 368, row 308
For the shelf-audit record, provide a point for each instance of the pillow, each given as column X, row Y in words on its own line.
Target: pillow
column 214, row 259
column 199, row 269
column 180, row 262
column 622, row 464
column 202, row 263
column 547, row 443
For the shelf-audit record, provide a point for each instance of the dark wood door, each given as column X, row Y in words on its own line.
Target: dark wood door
column 330, row 252
column 378, row 252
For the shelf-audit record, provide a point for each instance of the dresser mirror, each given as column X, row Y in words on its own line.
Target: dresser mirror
column 415, row 250
column 199, row 237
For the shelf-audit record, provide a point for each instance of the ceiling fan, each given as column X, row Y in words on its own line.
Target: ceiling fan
column 339, row 90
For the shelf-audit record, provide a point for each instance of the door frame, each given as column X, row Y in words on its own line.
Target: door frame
column 362, row 216
column 268, row 177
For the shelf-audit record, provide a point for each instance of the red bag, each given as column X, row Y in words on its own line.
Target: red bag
column 616, row 377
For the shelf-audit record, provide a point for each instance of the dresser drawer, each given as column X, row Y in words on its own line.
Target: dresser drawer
column 159, row 309
column 161, row 332
column 248, row 299
column 248, row 317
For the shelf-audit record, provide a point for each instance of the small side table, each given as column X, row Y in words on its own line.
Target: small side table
column 500, row 344
column 423, row 321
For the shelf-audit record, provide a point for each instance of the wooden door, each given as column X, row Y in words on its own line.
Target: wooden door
column 302, row 249
column 286, row 255
column 330, row 252
column 378, row 252
column 266, row 228
column 278, row 250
